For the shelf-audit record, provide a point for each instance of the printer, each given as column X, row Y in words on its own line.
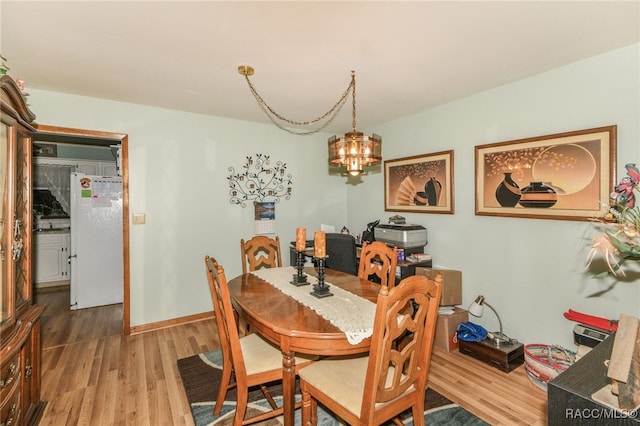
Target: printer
column 401, row 235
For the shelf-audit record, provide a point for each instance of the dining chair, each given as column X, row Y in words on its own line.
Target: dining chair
column 370, row 390
column 341, row 253
column 260, row 252
column 378, row 263
column 249, row 360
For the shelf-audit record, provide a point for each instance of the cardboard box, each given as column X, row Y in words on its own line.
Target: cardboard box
column 446, row 327
column 451, row 284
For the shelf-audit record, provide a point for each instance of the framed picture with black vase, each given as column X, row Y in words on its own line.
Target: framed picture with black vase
column 564, row 176
column 420, row 184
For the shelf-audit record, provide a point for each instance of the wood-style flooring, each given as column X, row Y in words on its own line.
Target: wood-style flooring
column 94, row 375
column 61, row 326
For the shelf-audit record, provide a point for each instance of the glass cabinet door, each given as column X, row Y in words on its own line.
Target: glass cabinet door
column 20, row 242
column 15, row 219
column 5, row 290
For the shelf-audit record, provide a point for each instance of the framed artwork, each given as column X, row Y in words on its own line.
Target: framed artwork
column 566, row 176
column 419, row 184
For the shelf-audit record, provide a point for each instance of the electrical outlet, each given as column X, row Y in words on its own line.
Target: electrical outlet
column 138, row 218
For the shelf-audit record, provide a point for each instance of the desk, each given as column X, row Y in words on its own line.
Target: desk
column 295, row 327
column 404, row 269
column 570, row 393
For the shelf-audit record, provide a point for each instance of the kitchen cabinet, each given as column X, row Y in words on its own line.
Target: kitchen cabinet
column 100, row 168
column 89, row 167
column 20, row 353
column 51, row 257
column 109, row 168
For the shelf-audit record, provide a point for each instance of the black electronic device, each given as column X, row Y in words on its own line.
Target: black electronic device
column 368, row 234
column 308, row 243
column 588, row 336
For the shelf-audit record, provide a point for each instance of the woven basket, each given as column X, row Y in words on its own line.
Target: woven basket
column 544, row 362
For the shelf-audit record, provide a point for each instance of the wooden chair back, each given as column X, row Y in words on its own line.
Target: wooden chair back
column 394, row 369
column 378, row 263
column 393, row 378
column 225, row 319
column 248, row 361
column 260, row 252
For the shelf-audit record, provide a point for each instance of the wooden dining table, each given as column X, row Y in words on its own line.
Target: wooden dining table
column 294, row 327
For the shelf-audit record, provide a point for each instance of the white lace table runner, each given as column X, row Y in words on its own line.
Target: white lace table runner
column 351, row 313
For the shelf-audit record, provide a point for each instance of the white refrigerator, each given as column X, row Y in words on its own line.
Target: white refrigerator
column 96, row 258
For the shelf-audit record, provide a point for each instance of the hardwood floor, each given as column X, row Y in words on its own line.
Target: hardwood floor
column 496, row 397
column 94, row 375
column 61, row 325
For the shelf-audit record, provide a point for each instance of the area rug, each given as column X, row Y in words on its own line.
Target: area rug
column 201, row 377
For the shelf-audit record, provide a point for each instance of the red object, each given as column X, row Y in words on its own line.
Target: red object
column 597, row 322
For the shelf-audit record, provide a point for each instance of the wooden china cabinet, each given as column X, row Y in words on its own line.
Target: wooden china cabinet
column 20, row 351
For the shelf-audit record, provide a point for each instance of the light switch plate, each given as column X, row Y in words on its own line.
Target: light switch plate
column 138, row 218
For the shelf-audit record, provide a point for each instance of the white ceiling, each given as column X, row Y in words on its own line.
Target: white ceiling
column 408, row 56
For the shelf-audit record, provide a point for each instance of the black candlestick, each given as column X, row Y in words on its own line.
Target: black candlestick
column 300, row 278
column 321, row 289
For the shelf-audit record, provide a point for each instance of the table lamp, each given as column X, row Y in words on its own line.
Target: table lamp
column 477, row 308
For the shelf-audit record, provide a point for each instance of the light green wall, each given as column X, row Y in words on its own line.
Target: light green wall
column 178, row 168
column 530, row 270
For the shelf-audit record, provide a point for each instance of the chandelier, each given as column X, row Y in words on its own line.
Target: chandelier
column 353, row 151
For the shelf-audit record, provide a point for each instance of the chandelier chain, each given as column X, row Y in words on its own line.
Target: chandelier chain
column 354, row 150
column 353, row 100
column 332, row 112
column 300, row 132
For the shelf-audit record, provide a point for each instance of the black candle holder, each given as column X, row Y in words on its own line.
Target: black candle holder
column 321, row 289
column 300, row 278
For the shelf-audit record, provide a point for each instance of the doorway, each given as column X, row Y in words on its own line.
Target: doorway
column 94, row 138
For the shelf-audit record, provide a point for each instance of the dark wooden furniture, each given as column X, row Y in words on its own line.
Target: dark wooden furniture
column 295, row 327
column 20, row 348
column 404, row 269
column 570, row 393
column 409, row 268
column 371, row 390
column 505, row 357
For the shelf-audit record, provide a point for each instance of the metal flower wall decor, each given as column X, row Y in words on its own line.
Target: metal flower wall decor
column 257, row 181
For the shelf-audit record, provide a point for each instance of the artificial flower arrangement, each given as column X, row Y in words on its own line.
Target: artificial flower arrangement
column 619, row 238
column 4, row 68
column 3, row 65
